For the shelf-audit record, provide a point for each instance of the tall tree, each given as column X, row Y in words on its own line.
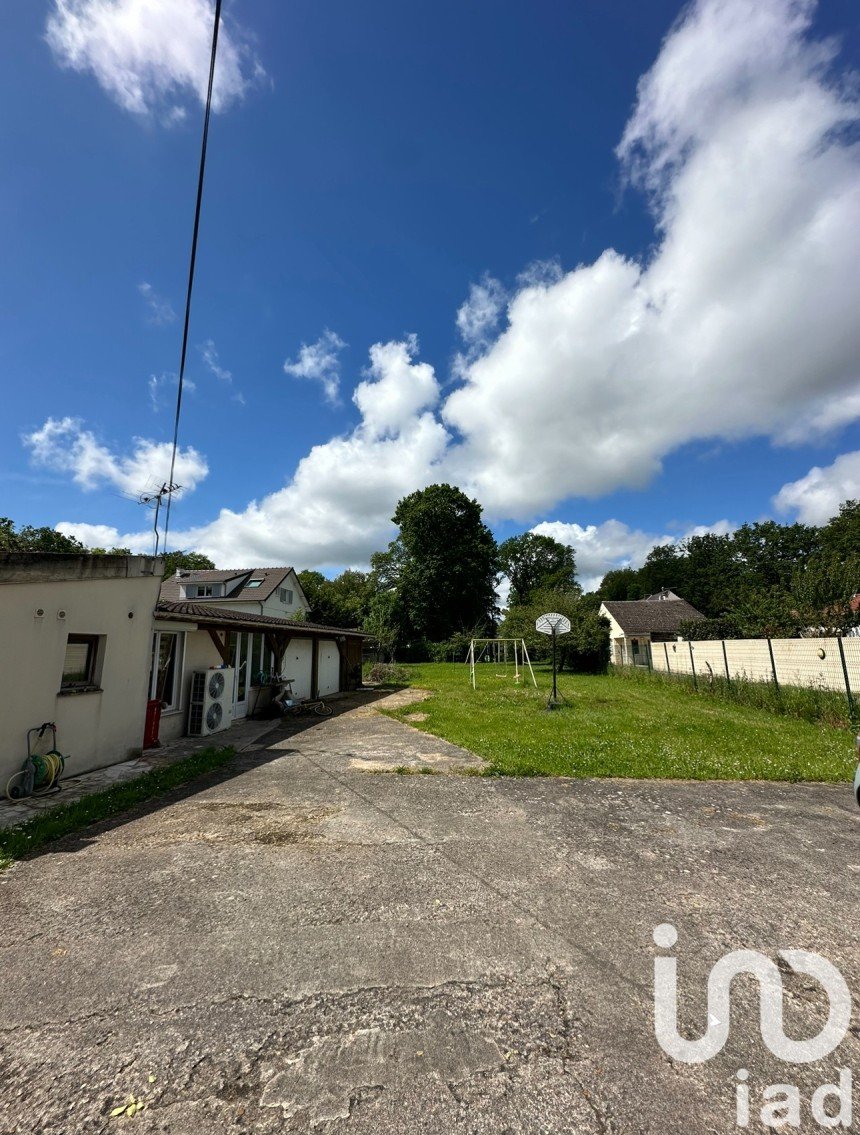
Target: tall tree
column 340, row 602
column 30, row 539
column 710, row 572
column 823, row 589
column 768, row 552
column 620, row 584
column 535, row 562
column 841, row 535
column 383, row 622
column 663, row 567
column 442, row 566
column 186, row 561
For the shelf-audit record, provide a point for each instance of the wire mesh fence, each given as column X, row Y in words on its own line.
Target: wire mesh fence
column 814, row 678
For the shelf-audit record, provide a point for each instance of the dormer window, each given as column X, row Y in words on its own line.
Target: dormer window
column 203, row 590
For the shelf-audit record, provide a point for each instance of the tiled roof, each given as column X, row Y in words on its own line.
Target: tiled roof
column 189, row 611
column 644, row 616
column 272, row 578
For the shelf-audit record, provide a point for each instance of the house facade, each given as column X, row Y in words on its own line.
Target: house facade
column 77, row 632
column 251, row 622
column 634, row 625
column 87, row 643
column 259, row 591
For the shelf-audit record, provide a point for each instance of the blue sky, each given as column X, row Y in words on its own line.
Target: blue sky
column 376, row 169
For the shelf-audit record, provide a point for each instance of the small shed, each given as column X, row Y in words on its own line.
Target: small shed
column 634, row 624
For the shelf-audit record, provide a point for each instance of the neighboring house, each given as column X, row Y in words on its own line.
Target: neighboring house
column 274, row 591
column 76, row 633
column 635, row 624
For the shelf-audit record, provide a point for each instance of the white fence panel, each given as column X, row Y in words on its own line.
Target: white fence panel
column 807, row 662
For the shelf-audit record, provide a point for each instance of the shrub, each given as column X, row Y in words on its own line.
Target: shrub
column 386, row 674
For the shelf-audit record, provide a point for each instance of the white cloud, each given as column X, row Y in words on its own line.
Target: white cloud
column 151, row 56
column 337, row 507
column 106, row 536
column 160, row 310
column 159, row 384
column 477, row 321
column 64, row 445
column 613, row 544
column 743, row 322
column 397, row 389
column 210, row 357
column 213, row 361
column 320, row 361
column 815, row 498
column 479, row 315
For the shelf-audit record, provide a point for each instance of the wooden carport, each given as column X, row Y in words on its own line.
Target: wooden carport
column 278, row 634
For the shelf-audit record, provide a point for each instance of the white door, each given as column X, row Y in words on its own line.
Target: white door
column 297, row 665
column 242, row 663
column 329, row 668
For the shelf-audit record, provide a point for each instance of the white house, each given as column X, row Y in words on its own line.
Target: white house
column 87, row 644
column 274, row 591
column 76, row 635
column 250, row 620
column 634, row 624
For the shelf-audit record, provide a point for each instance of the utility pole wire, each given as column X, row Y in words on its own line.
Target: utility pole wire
column 191, row 266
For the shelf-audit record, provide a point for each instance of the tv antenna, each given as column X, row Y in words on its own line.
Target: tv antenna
column 154, row 500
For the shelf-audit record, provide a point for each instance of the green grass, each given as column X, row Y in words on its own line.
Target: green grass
column 69, row 818
column 611, row 726
column 814, row 703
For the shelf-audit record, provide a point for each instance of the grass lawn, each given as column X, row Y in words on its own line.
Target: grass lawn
column 619, row 727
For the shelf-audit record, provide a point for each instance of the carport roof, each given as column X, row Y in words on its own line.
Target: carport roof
column 186, row 611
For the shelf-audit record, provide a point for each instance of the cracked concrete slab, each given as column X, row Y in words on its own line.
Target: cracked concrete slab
column 293, row 945
column 325, row 1077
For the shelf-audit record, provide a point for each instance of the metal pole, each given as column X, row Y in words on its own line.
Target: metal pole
column 554, row 697
column 666, row 651
column 852, row 708
column 726, row 660
column 693, row 664
column 773, row 665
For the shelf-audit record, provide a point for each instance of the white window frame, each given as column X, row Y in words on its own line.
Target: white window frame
column 178, row 670
column 286, row 596
column 203, row 590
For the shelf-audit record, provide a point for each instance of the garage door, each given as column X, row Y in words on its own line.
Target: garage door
column 297, row 665
column 329, row 672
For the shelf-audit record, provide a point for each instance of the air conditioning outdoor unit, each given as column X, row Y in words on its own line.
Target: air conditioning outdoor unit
column 211, row 706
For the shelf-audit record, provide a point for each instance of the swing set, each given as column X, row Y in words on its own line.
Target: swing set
column 496, row 650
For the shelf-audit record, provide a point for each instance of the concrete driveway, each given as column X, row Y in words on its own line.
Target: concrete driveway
column 304, row 943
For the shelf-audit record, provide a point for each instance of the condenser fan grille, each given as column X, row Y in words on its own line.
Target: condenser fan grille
column 216, row 685
column 214, row 714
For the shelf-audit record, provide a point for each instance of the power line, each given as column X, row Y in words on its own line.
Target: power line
column 170, row 487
